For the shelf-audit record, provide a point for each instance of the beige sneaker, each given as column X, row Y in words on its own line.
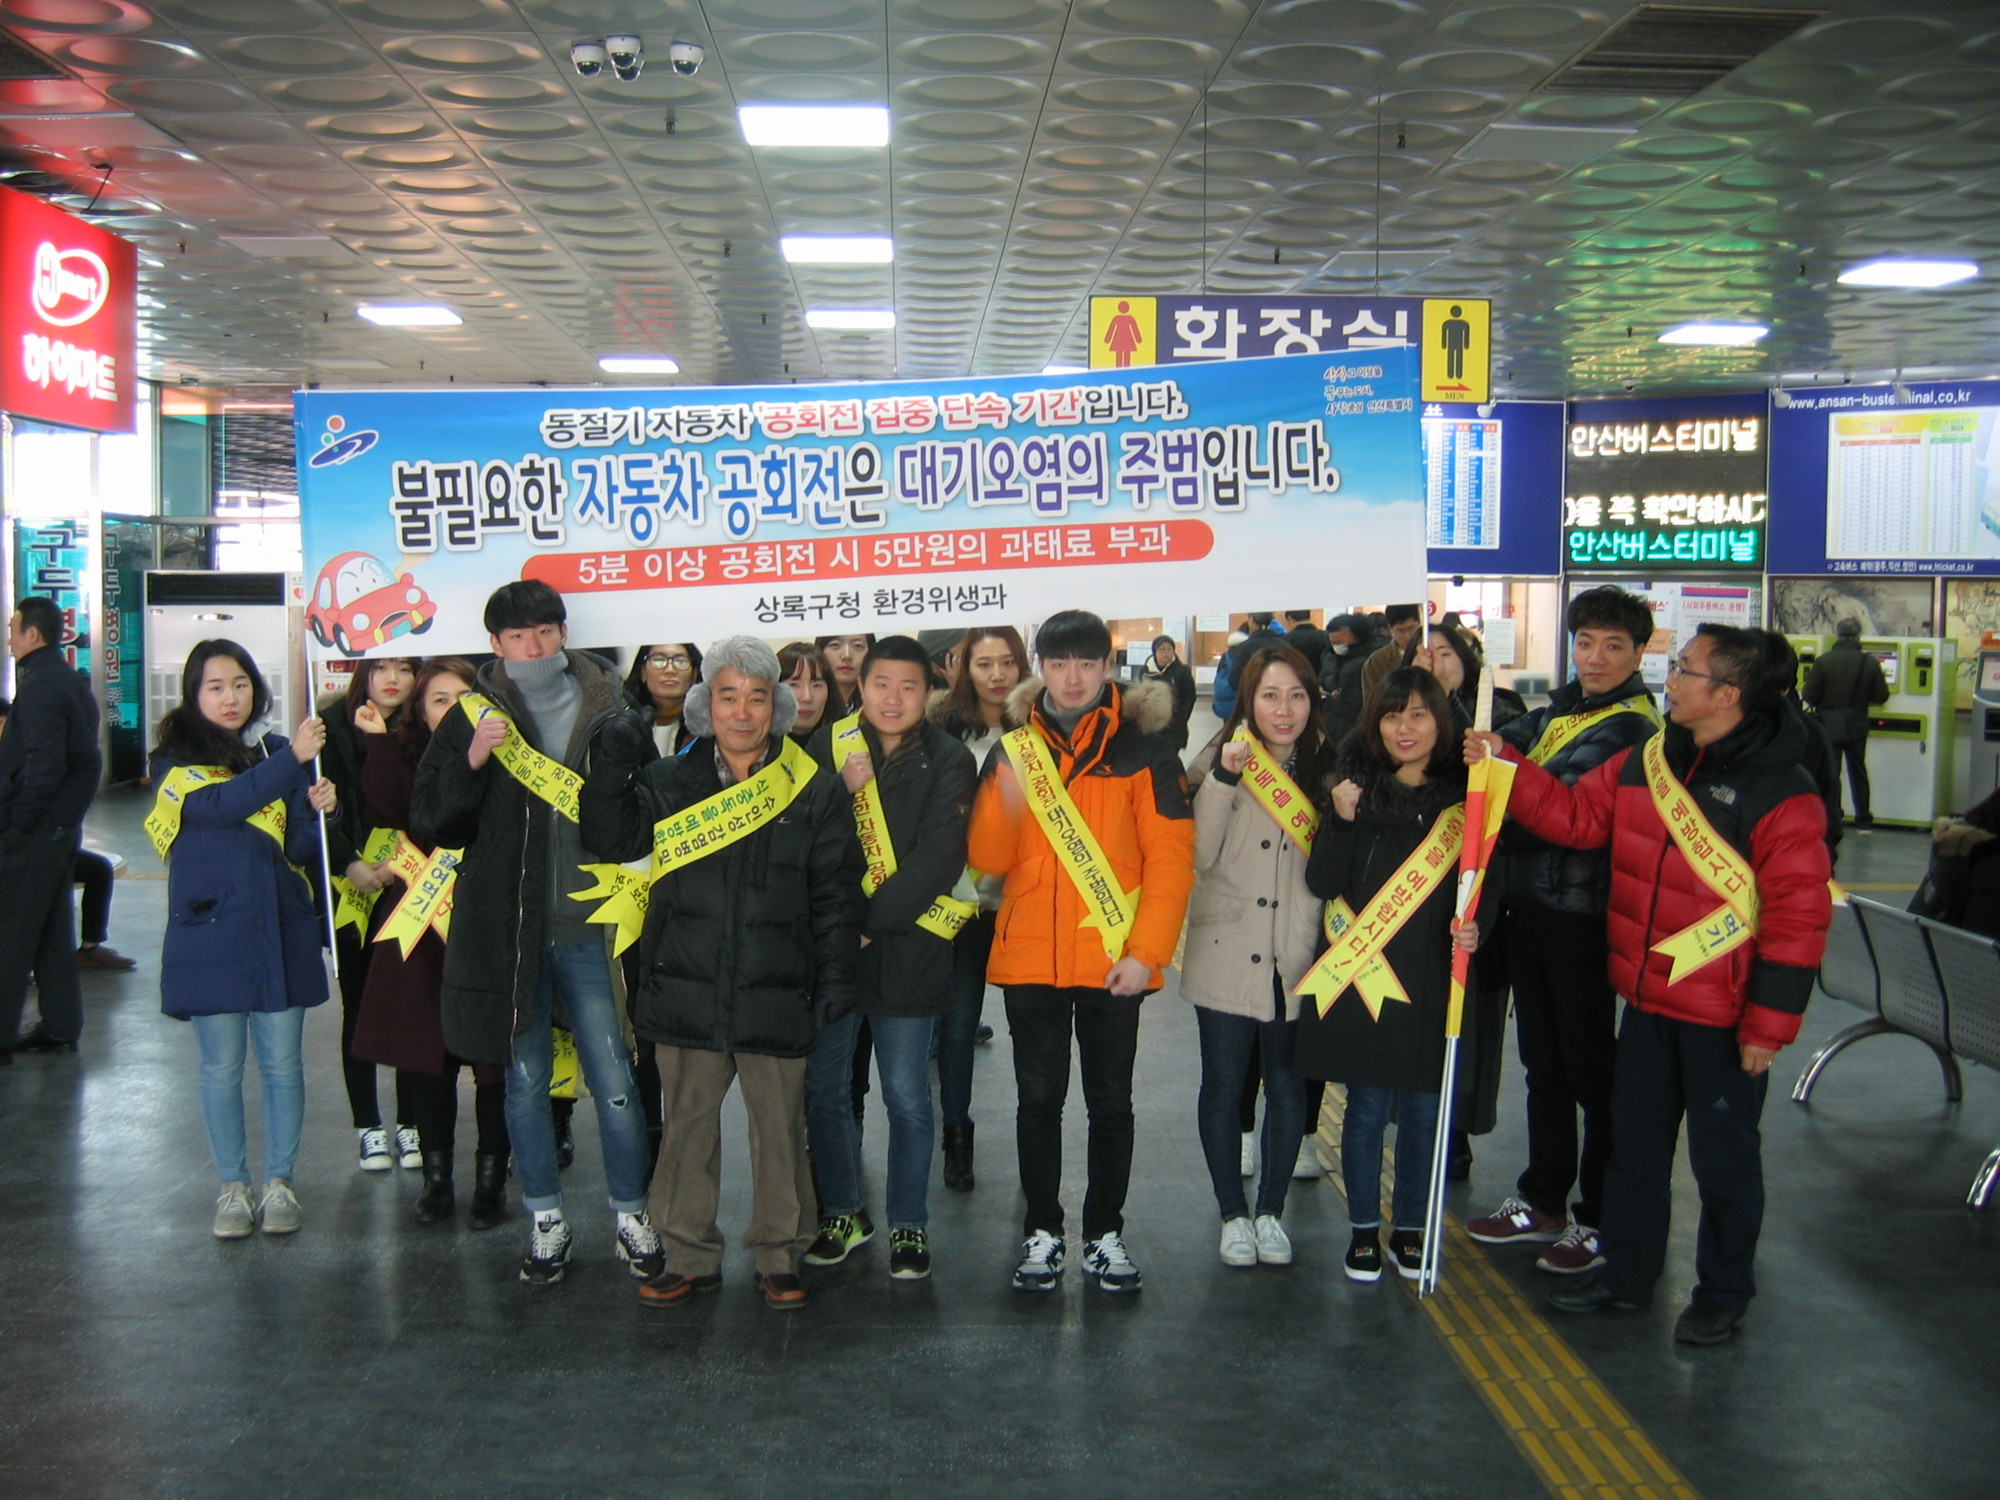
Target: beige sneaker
column 280, row 1208
column 233, row 1219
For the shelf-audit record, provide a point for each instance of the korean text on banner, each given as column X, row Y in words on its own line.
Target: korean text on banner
column 688, row 513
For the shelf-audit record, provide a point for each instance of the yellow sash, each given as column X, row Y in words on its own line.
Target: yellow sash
column 1713, row 860
column 352, row 908
column 1108, row 907
column 1559, row 732
column 733, row 813
column 1290, row 808
column 1356, row 943
column 623, row 890
column 163, row 823
column 429, row 880
column 946, row 914
column 550, row 780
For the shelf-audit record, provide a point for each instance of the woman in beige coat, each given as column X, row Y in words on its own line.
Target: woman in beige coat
column 1253, row 929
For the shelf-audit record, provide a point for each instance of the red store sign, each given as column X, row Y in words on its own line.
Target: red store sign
column 68, row 292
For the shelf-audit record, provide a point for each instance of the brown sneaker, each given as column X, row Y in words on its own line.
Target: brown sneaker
column 1576, row 1252
column 103, row 956
column 1516, row 1223
column 782, row 1290
column 669, row 1287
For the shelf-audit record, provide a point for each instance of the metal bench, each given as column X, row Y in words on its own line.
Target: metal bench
column 1919, row 978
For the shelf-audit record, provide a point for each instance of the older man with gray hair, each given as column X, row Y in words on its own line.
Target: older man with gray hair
column 750, row 945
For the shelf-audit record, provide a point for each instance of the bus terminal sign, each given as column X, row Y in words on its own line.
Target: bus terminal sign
column 67, row 296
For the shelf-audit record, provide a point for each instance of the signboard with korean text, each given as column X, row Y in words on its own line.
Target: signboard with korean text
column 1453, row 333
column 1672, row 485
column 127, row 552
column 1470, row 462
column 689, row 514
column 1876, row 480
column 68, row 299
column 53, row 560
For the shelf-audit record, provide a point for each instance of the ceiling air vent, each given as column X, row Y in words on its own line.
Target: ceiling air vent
column 1676, row 50
column 18, row 62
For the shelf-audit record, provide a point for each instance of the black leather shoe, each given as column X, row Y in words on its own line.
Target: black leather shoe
column 1460, row 1166
column 958, row 1158
column 41, row 1039
column 439, row 1200
column 1707, row 1323
column 489, row 1190
column 1589, row 1294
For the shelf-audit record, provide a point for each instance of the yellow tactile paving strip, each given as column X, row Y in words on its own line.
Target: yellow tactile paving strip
column 1571, row 1431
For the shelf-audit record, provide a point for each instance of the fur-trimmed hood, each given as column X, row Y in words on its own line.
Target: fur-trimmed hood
column 1147, row 705
column 1954, row 838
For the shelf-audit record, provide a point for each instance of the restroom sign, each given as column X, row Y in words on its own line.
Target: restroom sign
column 67, row 297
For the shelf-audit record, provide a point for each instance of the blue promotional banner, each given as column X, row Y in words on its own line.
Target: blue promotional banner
column 687, row 514
column 1676, row 484
column 1886, row 480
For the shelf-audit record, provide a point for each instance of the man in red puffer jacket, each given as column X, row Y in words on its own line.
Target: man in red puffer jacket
column 1715, row 961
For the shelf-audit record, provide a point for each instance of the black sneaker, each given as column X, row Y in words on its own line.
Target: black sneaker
column 549, row 1244
column 909, row 1254
column 639, row 1246
column 1041, row 1264
column 1363, row 1261
column 1406, row 1248
column 1707, row 1323
column 839, row 1237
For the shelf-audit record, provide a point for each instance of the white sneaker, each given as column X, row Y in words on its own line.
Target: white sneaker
column 639, row 1245
column 409, row 1149
column 1274, row 1246
column 280, row 1207
column 1041, row 1264
column 1107, row 1260
column 233, row 1219
column 375, row 1155
column 1249, row 1153
column 1239, row 1244
column 1307, row 1167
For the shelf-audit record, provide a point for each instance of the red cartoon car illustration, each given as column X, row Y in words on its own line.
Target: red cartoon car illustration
column 358, row 604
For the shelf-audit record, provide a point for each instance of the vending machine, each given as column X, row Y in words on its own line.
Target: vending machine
column 1985, row 775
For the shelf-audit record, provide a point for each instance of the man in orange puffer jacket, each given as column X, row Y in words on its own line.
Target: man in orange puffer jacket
column 1708, row 1004
column 1122, row 778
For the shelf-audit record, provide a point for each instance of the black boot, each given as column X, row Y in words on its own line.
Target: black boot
column 958, row 1158
column 438, row 1199
column 1460, row 1165
column 489, row 1190
column 565, row 1134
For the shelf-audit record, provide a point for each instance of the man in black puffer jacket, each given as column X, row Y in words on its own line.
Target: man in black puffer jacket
column 750, row 946
column 924, row 780
column 1565, row 1014
column 518, row 942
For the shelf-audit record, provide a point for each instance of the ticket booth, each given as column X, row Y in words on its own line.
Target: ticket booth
column 1911, row 738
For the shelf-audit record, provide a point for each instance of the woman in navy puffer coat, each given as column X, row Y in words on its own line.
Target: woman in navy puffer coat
column 241, row 957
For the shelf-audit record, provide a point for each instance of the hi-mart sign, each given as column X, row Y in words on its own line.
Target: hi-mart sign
column 67, row 296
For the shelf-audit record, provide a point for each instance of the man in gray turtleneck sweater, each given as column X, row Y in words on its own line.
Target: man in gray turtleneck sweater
column 518, row 942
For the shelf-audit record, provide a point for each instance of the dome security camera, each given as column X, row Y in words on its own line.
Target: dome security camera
column 588, row 58
column 686, row 58
column 1631, row 385
column 628, row 56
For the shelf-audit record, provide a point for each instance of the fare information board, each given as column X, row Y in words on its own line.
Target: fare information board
column 1462, row 482
column 1671, row 485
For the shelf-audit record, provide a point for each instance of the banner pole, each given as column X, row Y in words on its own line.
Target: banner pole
column 328, row 896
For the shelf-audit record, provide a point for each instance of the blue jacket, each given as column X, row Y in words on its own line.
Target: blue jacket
column 242, row 933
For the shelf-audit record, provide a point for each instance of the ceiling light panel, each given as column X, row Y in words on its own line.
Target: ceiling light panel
column 638, row 364
column 814, row 127
column 850, row 319
column 838, row 249
column 409, row 315
column 1718, row 335
column 1919, row 274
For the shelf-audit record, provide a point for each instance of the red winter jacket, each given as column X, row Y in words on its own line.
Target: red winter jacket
column 1752, row 789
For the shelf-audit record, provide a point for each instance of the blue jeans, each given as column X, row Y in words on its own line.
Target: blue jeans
column 222, row 1042
column 1227, row 1044
column 583, row 975
column 1361, row 1154
column 903, row 1058
column 969, row 952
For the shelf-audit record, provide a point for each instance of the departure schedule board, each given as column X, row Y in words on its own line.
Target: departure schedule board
column 1462, row 482
column 1887, row 480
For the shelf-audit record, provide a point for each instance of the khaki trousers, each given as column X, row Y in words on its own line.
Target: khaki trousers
column 687, row 1184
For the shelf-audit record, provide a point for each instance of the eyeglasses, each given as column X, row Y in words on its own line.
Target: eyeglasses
column 670, row 663
column 1675, row 669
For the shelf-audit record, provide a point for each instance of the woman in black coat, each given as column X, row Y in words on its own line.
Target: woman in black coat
column 1401, row 773
column 1165, row 666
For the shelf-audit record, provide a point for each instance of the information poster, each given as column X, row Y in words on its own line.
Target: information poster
column 1887, row 480
column 688, row 514
column 1679, row 609
column 128, row 552
column 1670, row 485
column 52, row 560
